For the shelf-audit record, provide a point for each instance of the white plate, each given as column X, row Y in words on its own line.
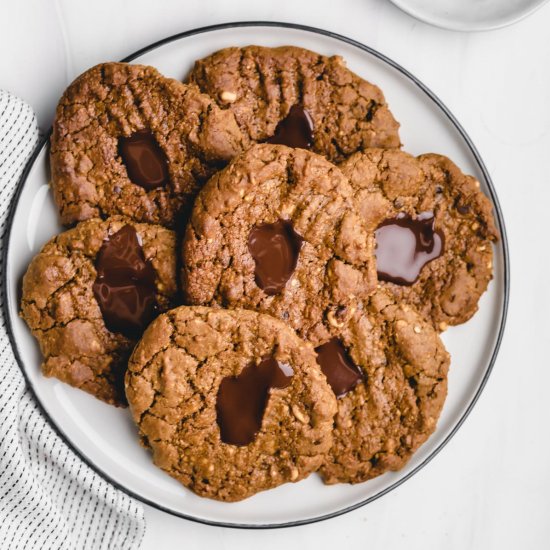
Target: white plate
column 105, row 436
column 469, row 15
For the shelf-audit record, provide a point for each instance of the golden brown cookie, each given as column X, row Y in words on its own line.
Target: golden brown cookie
column 127, row 140
column 434, row 230
column 277, row 231
column 389, row 368
column 89, row 294
column 231, row 402
column 297, row 97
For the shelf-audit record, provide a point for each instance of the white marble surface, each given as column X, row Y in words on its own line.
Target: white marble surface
column 490, row 487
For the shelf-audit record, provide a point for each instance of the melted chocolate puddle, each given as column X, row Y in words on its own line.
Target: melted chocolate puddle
column 342, row 374
column 295, row 130
column 404, row 245
column 125, row 284
column 145, row 161
column 275, row 248
column 242, row 399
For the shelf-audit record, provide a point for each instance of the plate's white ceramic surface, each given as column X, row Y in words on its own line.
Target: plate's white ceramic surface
column 469, row 15
column 105, row 436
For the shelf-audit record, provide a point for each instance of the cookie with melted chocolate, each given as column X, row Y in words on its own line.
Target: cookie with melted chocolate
column 230, row 402
column 434, row 231
column 126, row 140
column 299, row 98
column 89, row 295
column 388, row 368
column 277, row 231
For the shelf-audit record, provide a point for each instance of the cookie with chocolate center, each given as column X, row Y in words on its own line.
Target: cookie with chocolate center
column 230, row 402
column 299, row 98
column 388, row 368
column 128, row 141
column 277, row 231
column 434, row 231
column 90, row 293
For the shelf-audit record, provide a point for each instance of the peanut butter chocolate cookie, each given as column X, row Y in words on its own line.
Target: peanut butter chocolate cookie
column 231, row 402
column 299, row 98
column 127, row 140
column 277, row 231
column 89, row 294
column 388, row 368
column 434, row 230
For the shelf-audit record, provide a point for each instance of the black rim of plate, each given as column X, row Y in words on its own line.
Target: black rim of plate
column 498, row 212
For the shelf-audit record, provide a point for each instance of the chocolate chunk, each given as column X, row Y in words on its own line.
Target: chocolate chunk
column 145, row 161
column 295, row 130
column 275, row 248
column 342, row 374
column 349, row 114
column 242, row 399
column 125, row 284
column 405, row 245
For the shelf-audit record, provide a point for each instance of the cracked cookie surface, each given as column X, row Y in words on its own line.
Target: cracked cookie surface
column 269, row 183
column 260, row 85
column 392, row 183
column 172, row 383
column 59, row 306
column 383, row 420
column 115, row 100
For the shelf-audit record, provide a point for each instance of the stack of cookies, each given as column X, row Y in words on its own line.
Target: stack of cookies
column 256, row 267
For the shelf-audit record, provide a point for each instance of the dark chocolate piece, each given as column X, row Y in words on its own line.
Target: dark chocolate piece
column 342, row 374
column 275, row 248
column 125, row 285
column 145, row 161
column 295, row 130
column 404, row 245
column 242, row 399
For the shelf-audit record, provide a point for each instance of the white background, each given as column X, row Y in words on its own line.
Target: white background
column 490, row 487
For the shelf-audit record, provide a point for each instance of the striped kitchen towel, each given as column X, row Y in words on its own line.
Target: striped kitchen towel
column 48, row 497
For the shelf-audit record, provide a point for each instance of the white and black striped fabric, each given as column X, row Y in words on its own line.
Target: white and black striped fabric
column 49, row 499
